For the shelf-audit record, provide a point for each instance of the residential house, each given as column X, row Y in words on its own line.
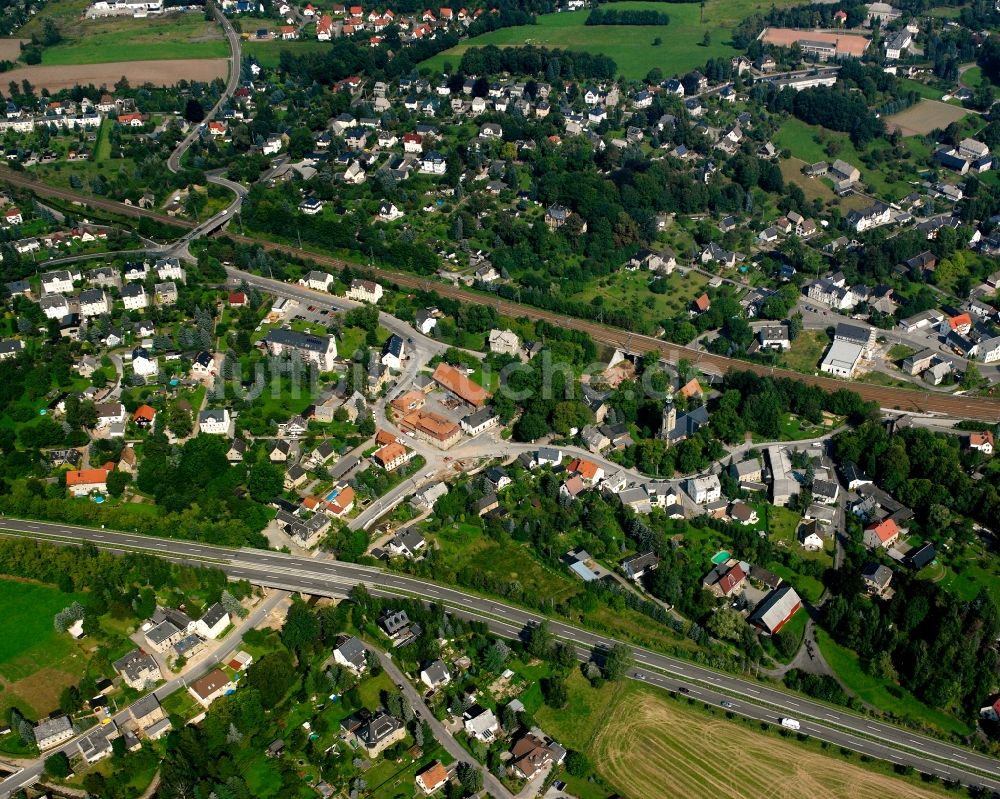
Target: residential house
column 365, row 291
column 882, row 534
column 480, row 723
column 350, row 653
column 435, row 674
column 704, row 489
column 210, row 687
column 216, row 422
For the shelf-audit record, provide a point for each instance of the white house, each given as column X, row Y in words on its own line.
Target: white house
column 214, row 422
column 94, row 302
column 320, row 281
column 134, row 297
column 142, row 364
column 59, row 281
column 365, row 291
column 215, row 620
column 705, row 489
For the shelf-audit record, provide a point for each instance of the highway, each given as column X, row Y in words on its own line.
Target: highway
column 753, row 698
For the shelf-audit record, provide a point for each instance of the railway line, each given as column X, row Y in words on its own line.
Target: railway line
column 887, row 397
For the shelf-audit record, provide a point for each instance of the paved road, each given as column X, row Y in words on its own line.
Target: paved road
column 493, row 786
column 30, row 774
column 233, row 38
column 756, row 699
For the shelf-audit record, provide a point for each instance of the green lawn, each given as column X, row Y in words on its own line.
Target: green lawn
column 886, row 697
column 102, row 149
column 268, row 54
column 929, row 92
column 813, row 143
column 36, row 662
column 631, row 46
column 125, row 39
column 806, row 352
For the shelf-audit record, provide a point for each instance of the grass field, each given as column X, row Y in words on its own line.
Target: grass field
column 807, row 351
column 645, row 744
column 268, row 53
column 875, row 692
column 126, row 39
column 631, row 46
column 812, row 143
column 36, row 662
column 630, row 291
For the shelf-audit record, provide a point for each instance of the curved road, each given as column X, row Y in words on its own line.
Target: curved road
column 754, row 699
column 233, row 38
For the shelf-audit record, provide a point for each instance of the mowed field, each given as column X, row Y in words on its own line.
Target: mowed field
column 925, row 116
column 36, row 662
column 175, row 36
column 158, row 73
column 631, row 46
column 654, row 746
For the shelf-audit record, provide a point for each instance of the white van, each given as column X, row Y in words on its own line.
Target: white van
column 791, row 724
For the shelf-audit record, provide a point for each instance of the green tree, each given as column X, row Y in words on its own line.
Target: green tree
column 57, row 765
column 555, row 692
column 265, row 481
column 617, row 662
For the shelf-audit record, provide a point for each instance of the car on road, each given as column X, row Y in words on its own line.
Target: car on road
column 311, row 308
column 638, row 675
column 684, row 690
column 399, row 686
column 726, row 703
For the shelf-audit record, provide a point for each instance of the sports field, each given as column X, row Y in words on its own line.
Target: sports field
column 654, row 746
column 631, row 46
column 36, row 662
column 925, row 116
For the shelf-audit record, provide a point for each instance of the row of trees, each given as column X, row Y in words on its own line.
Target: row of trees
column 614, row 16
column 538, row 62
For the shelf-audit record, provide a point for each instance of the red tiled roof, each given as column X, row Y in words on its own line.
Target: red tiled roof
column 86, row 476
column 145, row 412
column 458, row 384
column 886, row 530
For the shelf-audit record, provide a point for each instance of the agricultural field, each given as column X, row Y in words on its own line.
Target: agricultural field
column 645, row 744
column 631, row 46
column 925, row 116
column 157, row 73
column 36, row 662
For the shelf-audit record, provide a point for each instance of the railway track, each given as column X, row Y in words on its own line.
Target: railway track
column 889, row 397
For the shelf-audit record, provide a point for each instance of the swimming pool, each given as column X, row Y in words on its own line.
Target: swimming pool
column 721, row 557
column 332, row 495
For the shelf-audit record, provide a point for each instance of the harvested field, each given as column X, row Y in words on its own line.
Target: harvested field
column 652, row 746
column 10, row 49
column 159, row 73
column 925, row 116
